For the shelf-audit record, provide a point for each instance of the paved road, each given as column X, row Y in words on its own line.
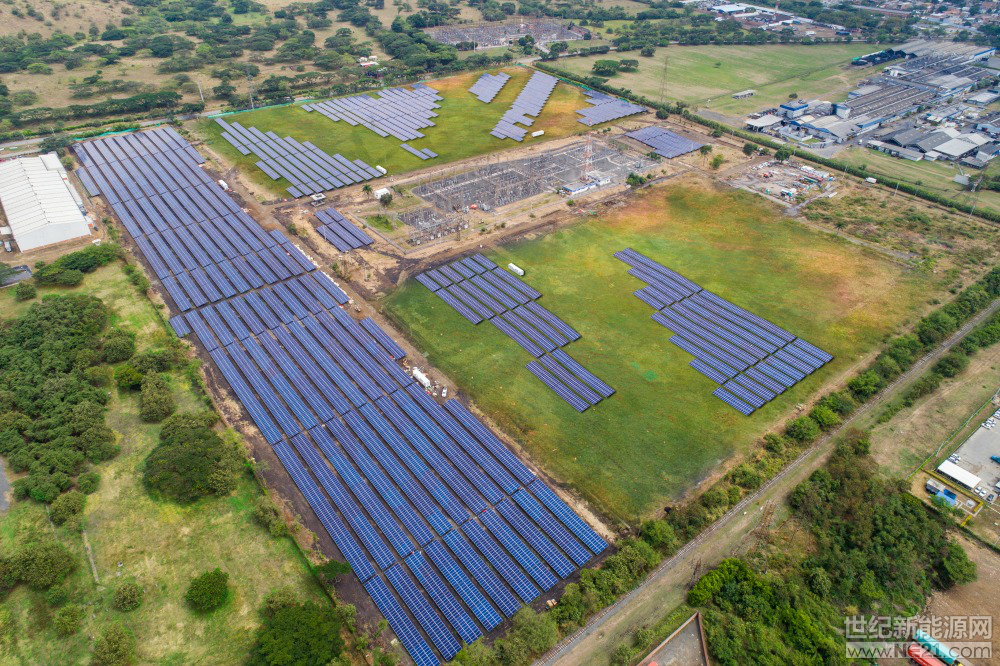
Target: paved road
column 577, row 647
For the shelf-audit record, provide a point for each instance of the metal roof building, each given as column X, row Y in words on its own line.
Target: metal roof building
column 962, row 476
column 37, row 201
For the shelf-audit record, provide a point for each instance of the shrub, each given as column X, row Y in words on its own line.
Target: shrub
column 298, row 634
column 802, row 430
column 156, row 402
column 659, row 534
column 119, row 345
column 114, row 647
column 951, row 364
column 329, row 570
column 68, row 619
column 745, row 477
column 42, row 564
column 208, row 591
column 824, row 417
column 66, row 506
column 269, row 516
column 88, row 482
column 865, row 385
column 25, row 291
column 191, row 461
column 128, row 596
column 276, row 599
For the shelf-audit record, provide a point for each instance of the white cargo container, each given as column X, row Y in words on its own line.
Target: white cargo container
column 538, row 133
column 514, row 268
column 422, row 378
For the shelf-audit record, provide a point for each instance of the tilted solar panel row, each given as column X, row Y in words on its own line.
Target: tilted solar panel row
column 606, row 108
column 489, row 85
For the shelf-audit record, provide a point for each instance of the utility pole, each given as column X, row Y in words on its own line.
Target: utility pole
column 250, row 88
column 200, row 93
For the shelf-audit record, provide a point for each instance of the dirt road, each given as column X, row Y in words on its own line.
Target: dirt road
column 666, row 586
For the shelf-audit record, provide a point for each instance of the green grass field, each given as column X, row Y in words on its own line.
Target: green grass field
column 159, row 544
column 662, row 431
column 934, row 176
column 462, row 128
column 706, row 76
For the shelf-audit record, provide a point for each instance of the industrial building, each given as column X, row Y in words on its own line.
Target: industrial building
column 40, row 205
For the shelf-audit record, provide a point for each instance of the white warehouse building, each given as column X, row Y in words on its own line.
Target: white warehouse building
column 38, row 202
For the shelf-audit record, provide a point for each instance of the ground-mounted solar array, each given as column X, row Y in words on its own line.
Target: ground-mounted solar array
column 339, row 231
column 751, row 359
column 197, row 240
column 606, row 108
column 422, row 153
column 306, row 167
column 448, row 531
column 489, row 85
column 664, row 142
column 396, row 112
column 526, row 107
column 479, row 290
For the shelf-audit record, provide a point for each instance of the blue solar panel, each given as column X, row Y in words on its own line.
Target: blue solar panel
column 567, row 378
column 246, row 396
column 335, row 528
column 465, row 588
column 567, row 516
column 588, row 377
column 421, row 609
column 442, row 597
column 496, row 556
column 731, row 400
column 518, row 550
column 552, row 528
column 708, row 371
column 401, row 624
column 757, row 388
column 517, row 337
column 560, row 389
column 490, row 441
column 534, row 537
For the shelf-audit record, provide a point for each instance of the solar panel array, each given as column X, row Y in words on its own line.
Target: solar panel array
column 422, row 153
column 436, row 516
column 664, row 142
column 489, row 85
column 606, row 108
column 529, row 102
column 396, row 112
column 751, row 359
column 339, row 231
column 479, row 290
column 196, row 239
column 306, row 167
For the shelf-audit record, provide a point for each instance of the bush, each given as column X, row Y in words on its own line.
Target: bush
column 119, row 345
column 275, row 600
column 66, row 506
column 745, row 477
column 269, row 516
column 25, row 291
column 191, row 461
column 68, row 619
column 824, row 417
column 951, row 364
column 114, row 647
column 88, row 482
column 42, row 564
column 128, row 596
column 802, row 430
column 156, row 402
column 127, row 378
column 208, row 591
column 298, row 634
column 659, row 534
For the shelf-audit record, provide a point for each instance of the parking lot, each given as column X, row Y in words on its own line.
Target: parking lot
column 974, row 456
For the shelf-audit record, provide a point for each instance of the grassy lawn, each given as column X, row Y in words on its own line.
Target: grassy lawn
column 934, row 176
column 159, row 544
column 706, row 76
column 662, row 431
column 462, row 129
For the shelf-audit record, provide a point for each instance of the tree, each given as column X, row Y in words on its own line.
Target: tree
column 749, row 148
column 208, row 591
column 329, row 570
column 385, row 199
column 298, row 634
column 128, row 596
column 42, row 564
column 802, row 429
column 66, row 506
column 717, row 161
column 783, row 154
column 25, row 291
column 606, row 67
column 114, row 647
column 367, row 189
column 156, row 402
column 119, row 345
column 958, row 568
column 705, row 150
column 191, row 461
column 659, row 534
column 68, row 619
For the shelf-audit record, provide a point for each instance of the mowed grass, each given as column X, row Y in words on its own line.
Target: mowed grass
column 662, row 431
column 706, row 76
column 462, row 128
column 158, row 544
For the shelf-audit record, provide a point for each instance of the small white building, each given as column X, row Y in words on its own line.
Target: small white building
column 39, row 202
column 961, row 476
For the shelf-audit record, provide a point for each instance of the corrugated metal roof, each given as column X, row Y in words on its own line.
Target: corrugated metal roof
column 38, row 204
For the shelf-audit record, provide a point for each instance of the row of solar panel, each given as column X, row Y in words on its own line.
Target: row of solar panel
column 339, row 231
column 396, row 112
column 422, row 153
column 664, row 142
column 489, row 85
column 306, row 167
column 569, row 380
column 125, row 146
column 751, row 358
column 529, row 103
column 272, row 358
column 606, row 108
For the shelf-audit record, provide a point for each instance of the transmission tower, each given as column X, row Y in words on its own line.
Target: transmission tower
column 663, row 80
column 588, row 155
